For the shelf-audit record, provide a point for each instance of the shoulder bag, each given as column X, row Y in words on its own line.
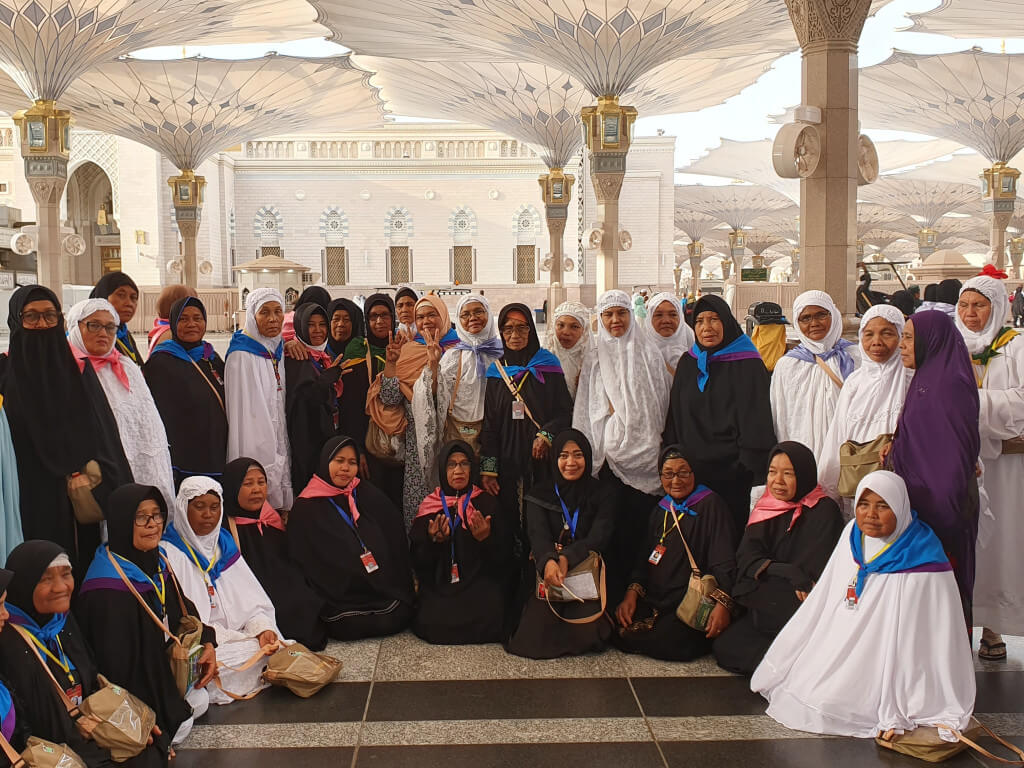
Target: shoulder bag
column 857, row 461
column 591, row 572
column 698, row 602
column 831, row 374
column 378, row 443
column 935, row 744
column 456, row 429
column 112, row 717
column 300, row 670
column 83, row 504
column 40, row 753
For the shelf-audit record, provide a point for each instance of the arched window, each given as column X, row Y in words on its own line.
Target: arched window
column 334, row 231
column 398, row 230
column 525, row 227
column 268, row 228
column 462, row 228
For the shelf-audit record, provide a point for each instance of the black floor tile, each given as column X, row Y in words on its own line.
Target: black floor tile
column 794, row 753
column 337, row 703
column 1000, row 692
column 697, row 696
column 502, row 699
column 621, row 755
column 313, row 757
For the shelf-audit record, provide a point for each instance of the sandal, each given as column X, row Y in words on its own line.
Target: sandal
column 992, row 651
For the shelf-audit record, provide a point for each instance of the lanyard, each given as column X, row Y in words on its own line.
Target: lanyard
column 570, row 523
column 126, row 350
column 348, row 521
column 878, row 554
column 664, row 523
column 206, row 570
column 522, row 381
column 63, row 662
column 161, row 591
column 454, row 520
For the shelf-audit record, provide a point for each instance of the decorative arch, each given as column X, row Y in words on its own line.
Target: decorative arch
column 101, row 149
column 462, row 225
column 526, row 224
column 333, row 226
column 268, row 226
column 398, row 225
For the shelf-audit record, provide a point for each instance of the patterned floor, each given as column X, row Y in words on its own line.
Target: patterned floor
column 400, row 702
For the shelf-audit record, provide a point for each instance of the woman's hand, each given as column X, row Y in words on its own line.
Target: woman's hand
column 883, row 455
column 480, row 526
column 156, row 733
column 490, row 484
column 541, row 448
column 392, row 352
column 553, row 576
column 268, row 637
column 719, row 621
column 208, row 665
column 627, row 608
column 439, row 529
column 434, row 350
column 296, row 350
column 801, row 595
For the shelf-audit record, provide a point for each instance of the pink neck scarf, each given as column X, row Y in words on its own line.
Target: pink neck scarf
column 318, row 488
column 432, row 504
column 113, row 360
column 268, row 518
column 768, row 506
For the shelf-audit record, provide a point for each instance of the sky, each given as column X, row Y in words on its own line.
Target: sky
column 744, row 117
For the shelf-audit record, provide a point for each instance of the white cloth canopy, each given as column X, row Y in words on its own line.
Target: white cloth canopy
column 803, row 396
column 998, row 598
column 869, row 404
column 255, row 404
column 622, row 400
column 139, row 425
column 899, row 660
column 572, row 358
column 675, row 346
column 239, row 610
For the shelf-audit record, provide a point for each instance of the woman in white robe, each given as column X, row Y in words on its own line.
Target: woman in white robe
column 877, row 646
column 568, row 338
column 998, row 357
column 872, row 396
column 139, row 425
column 254, row 387
column 668, row 330
column 226, row 594
column 804, row 396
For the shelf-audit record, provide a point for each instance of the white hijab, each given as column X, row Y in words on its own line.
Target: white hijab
column 995, row 291
column 673, row 347
column 84, row 309
column 572, row 358
column 622, row 400
column 191, row 487
column 253, row 302
column 469, row 400
column 893, row 491
column 835, row 331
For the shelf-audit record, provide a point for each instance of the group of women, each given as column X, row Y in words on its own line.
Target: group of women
column 352, row 472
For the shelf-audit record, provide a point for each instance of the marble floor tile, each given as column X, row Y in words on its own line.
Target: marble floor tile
column 723, row 728
column 588, row 755
column 315, row 757
column 272, row 736
column 358, row 657
column 506, row 731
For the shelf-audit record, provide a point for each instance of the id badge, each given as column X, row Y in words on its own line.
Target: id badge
column 213, row 595
column 369, row 562
column 455, row 573
column 851, row 597
column 75, row 694
column 518, row 410
column 656, row 555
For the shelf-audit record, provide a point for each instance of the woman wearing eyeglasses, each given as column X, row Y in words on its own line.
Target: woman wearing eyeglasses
column 59, row 420
column 93, row 325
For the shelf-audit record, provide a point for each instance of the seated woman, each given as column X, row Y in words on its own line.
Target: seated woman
column 259, row 532
column 349, row 540
column 841, row 665
column 461, row 551
column 792, row 531
column 312, row 396
column 217, row 580
column 647, row 614
column 130, row 648
column 44, row 631
column 561, row 539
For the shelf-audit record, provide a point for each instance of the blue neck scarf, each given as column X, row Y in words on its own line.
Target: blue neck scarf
column 7, row 721
column 917, row 550
column 846, row 361
column 542, row 362
column 740, row 348
column 46, row 634
column 243, row 342
column 670, row 504
column 490, row 348
column 103, row 575
column 448, row 340
column 127, row 343
column 174, row 348
column 229, row 553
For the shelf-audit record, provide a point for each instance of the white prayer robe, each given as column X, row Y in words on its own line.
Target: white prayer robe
column 900, row 660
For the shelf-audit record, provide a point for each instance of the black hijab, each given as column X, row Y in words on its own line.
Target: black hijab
column 121, row 508
column 231, row 481
column 44, row 389
column 5, row 579
column 931, row 292
column 369, row 304
column 174, row 316
column 405, row 290
column 904, row 302
column 331, row 449
column 109, row 283
column 804, row 465
column 574, row 493
column 314, row 294
column 948, row 291
column 303, row 314
column 29, row 561
column 355, row 315
column 522, row 356
column 455, row 446
column 676, row 451
column 731, row 329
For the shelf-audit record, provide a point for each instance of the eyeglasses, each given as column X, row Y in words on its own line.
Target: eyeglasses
column 682, row 474
column 431, row 315
column 459, row 465
column 819, row 317
column 143, row 521
column 472, row 313
column 515, row 330
column 93, row 326
column 33, row 319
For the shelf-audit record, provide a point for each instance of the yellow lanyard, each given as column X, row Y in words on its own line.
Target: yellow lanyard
column 522, row 381
column 64, row 665
column 877, row 554
column 207, row 569
column 161, row 591
column 664, row 525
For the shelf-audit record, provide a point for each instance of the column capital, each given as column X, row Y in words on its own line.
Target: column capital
column 828, row 21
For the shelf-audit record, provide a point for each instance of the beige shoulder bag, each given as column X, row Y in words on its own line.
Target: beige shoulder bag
column 40, row 753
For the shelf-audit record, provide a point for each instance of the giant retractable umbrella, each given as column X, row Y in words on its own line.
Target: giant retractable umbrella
column 973, row 20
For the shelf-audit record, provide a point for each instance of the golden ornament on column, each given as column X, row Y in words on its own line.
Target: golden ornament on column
column 1016, row 253
column 556, row 192
column 187, row 197
column 607, row 132
column 737, row 244
column 45, row 144
column 999, row 196
column 696, row 254
column 926, row 238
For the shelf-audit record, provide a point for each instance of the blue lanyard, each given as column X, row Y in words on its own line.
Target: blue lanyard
column 569, row 523
column 454, row 520
column 348, row 521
